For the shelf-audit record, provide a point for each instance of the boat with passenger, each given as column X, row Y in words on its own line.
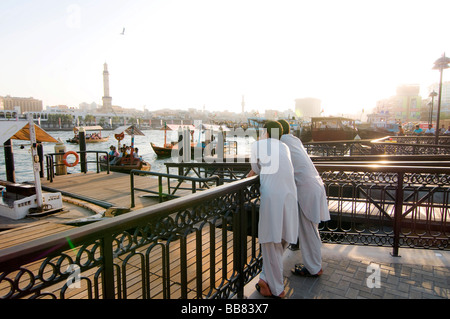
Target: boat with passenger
column 94, row 137
column 124, row 158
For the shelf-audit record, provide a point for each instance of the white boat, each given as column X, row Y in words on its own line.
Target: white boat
column 20, row 208
column 17, row 204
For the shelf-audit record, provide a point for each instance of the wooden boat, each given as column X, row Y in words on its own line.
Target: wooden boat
column 126, row 164
column 165, row 150
column 95, row 137
column 162, row 151
column 129, row 162
column 368, row 132
column 332, row 129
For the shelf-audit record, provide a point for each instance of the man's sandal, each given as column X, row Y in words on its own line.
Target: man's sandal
column 264, row 290
column 300, row 270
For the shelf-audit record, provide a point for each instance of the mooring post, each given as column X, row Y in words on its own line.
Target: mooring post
column 82, row 139
column 9, row 162
column 398, row 214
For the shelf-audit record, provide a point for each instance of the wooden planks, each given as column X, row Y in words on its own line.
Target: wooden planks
column 113, row 188
column 29, row 232
column 160, row 266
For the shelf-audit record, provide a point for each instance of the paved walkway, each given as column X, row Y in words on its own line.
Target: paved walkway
column 356, row 272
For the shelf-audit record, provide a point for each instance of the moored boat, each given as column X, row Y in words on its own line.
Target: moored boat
column 17, row 201
column 94, row 137
column 332, row 129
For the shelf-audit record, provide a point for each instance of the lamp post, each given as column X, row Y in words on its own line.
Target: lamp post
column 432, row 95
column 440, row 64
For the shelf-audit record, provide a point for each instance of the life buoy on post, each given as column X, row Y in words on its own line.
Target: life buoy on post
column 65, row 159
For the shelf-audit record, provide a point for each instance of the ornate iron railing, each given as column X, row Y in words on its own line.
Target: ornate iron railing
column 205, row 245
column 387, row 205
column 390, row 145
column 202, row 245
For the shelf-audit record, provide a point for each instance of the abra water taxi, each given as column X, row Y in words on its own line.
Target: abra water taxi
column 94, row 137
column 127, row 160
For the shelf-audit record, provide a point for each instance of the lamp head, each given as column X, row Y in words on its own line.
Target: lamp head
column 441, row 63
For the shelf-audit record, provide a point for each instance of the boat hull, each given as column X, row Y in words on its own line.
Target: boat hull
column 19, row 209
column 162, row 152
column 127, row 167
column 88, row 140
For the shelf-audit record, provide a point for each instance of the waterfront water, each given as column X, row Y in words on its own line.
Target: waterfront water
column 22, row 157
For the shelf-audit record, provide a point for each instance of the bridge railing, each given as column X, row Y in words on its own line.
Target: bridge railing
column 205, row 245
column 384, row 205
column 202, row 245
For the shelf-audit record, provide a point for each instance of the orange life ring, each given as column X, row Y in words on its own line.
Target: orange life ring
column 65, row 159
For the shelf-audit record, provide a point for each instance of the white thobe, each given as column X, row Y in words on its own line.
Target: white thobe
column 310, row 188
column 278, row 212
column 312, row 201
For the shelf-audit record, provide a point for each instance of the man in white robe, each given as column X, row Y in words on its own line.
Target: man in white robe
column 313, row 205
column 278, row 212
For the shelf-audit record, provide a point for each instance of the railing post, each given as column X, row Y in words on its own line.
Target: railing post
column 160, row 189
column 108, row 267
column 398, row 214
column 132, row 188
column 240, row 244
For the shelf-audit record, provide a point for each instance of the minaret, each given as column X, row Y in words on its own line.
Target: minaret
column 107, row 100
column 243, row 104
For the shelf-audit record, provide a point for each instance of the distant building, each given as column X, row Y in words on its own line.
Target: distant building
column 21, row 104
column 308, row 107
column 445, row 101
column 405, row 106
column 409, row 103
column 107, row 99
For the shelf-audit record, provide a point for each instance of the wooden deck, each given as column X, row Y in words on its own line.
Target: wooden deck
column 112, row 189
column 209, row 263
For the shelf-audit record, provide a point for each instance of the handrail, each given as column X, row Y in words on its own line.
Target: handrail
column 97, row 244
column 104, row 236
column 51, row 163
column 160, row 193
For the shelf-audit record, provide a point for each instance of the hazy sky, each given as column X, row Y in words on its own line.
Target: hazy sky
column 190, row 53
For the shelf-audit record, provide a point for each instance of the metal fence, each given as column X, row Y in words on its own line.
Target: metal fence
column 202, row 245
column 205, row 245
column 397, row 206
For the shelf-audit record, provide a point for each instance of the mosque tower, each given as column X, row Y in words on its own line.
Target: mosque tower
column 243, row 104
column 107, row 100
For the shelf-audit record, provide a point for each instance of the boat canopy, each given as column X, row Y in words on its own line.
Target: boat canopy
column 175, row 127
column 128, row 129
column 20, row 130
column 215, row 127
column 90, row 128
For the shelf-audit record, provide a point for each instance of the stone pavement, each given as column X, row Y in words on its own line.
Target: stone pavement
column 365, row 272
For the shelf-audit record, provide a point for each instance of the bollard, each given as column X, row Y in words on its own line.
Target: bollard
column 82, row 137
column 61, row 169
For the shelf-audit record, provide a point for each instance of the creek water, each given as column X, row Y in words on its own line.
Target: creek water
column 22, row 150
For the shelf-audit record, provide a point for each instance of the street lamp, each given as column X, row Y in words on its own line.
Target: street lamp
column 432, row 95
column 440, row 64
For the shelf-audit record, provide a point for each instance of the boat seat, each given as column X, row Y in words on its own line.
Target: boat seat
column 21, row 189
